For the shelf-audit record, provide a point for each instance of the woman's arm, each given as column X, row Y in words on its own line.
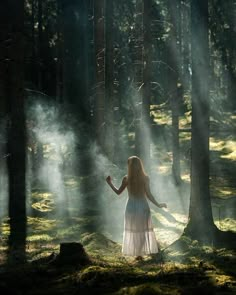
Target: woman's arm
column 150, row 196
column 119, row 190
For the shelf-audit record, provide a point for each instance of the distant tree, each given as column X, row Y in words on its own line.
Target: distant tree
column 141, row 72
column 34, row 69
column 184, row 34
column 137, row 71
column 59, row 53
column 40, row 45
column 175, row 84
column 75, row 56
column 147, row 79
column 223, row 34
column 4, row 37
column 99, row 45
column 109, row 77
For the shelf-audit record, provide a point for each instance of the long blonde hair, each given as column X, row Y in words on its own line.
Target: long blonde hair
column 136, row 175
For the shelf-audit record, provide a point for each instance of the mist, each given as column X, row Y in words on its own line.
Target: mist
column 3, row 171
column 51, row 156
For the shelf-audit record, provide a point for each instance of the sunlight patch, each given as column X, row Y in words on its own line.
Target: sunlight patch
column 182, row 218
column 164, row 169
column 186, row 177
column 221, row 280
column 45, row 202
column 42, row 224
column 226, row 224
column 72, row 182
column 223, row 192
column 231, row 156
column 216, row 144
column 160, row 116
column 37, row 238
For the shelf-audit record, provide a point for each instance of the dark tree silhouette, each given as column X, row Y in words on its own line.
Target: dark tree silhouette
column 174, row 87
column 201, row 224
column 109, row 77
column 99, row 43
column 142, row 72
column 16, row 133
column 40, row 44
column 147, row 78
column 75, row 59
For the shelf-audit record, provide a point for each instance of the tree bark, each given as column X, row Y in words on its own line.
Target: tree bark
column 174, row 80
column 75, row 57
column 147, row 76
column 40, row 45
column 59, row 53
column 33, row 48
column 138, row 74
column 201, row 224
column 109, row 79
column 99, row 44
column 185, row 24
column 4, row 37
column 16, row 132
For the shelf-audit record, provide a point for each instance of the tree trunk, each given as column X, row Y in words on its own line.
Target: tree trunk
column 33, row 53
column 4, row 77
column 99, row 40
column 185, row 24
column 231, row 81
column 40, row 44
column 147, row 76
column 16, row 133
column 174, row 82
column 75, row 59
column 201, row 224
column 59, row 50
column 138, row 74
column 109, row 79
column 176, row 172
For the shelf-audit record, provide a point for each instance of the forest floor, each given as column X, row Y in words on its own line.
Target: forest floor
column 190, row 269
column 184, row 268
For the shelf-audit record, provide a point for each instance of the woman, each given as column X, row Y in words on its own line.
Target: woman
column 139, row 238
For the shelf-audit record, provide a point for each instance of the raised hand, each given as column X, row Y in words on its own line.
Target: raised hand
column 108, row 179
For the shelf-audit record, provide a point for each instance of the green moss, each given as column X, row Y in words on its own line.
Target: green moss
column 97, row 241
column 40, row 224
column 91, row 272
column 36, row 238
column 69, row 232
column 147, row 289
column 43, row 201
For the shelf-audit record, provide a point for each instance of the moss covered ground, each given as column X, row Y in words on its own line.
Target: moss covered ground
column 183, row 267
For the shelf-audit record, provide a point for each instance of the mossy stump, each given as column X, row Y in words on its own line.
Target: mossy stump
column 72, row 254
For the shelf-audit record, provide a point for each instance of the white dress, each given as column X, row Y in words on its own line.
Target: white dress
column 139, row 238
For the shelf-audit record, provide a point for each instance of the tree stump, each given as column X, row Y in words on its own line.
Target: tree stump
column 73, row 253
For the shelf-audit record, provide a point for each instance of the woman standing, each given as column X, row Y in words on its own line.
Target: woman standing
column 139, row 238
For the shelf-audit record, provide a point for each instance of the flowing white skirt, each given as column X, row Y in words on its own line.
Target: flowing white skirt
column 139, row 238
